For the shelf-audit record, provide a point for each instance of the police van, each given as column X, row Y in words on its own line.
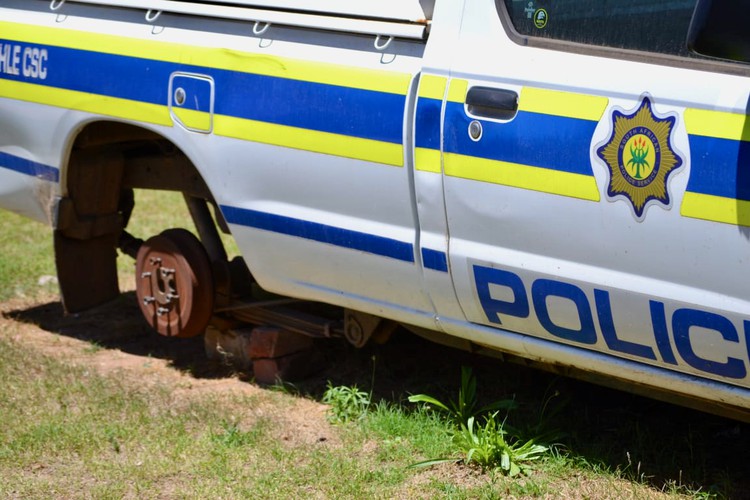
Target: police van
column 558, row 181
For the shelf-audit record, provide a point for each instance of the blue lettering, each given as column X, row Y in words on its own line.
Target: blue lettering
column 542, row 288
column 515, row 303
column 659, row 323
column 607, row 324
column 5, row 58
column 684, row 319
column 486, row 276
column 13, row 70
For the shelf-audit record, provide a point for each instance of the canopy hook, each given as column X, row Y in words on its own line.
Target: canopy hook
column 380, row 45
column 260, row 30
column 152, row 15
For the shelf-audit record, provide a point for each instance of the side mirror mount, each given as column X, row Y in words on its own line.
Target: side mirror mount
column 721, row 29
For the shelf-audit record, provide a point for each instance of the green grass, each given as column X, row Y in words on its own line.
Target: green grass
column 68, row 431
column 27, row 263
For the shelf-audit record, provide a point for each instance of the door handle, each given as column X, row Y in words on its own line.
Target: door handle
column 487, row 102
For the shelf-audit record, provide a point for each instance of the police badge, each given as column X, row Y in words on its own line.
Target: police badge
column 640, row 157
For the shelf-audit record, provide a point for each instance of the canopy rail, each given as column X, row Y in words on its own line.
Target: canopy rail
column 336, row 21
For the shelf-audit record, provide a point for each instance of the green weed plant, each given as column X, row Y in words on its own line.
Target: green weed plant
column 348, row 403
column 491, row 447
column 479, row 434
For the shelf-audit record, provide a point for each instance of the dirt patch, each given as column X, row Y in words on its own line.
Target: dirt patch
column 113, row 340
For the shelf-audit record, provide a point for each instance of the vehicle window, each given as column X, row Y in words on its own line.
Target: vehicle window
column 646, row 25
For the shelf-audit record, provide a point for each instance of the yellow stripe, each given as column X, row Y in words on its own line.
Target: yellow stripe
column 432, row 87
column 296, row 138
column 232, row 60
column 716, row 209
column 553, row 102
column 309, row 140
column 522, row 176
column 190, row 118
column 457, row 91
column 719, row 124
column 427, row 160
column 90, row 103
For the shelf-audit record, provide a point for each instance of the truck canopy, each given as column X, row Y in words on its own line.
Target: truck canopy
column 390, row 18
column 394, row 10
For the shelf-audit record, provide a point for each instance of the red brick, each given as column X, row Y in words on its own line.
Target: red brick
column 270, row 342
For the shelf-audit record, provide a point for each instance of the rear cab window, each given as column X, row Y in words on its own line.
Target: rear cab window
column 628, row 24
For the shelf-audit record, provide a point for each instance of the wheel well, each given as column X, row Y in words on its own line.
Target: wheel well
column 107, row 161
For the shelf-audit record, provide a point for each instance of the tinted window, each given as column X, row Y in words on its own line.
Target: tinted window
column 647, row 25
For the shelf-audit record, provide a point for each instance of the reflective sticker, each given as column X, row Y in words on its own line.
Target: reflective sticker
column 640, row 157
column 540, row 19
column 350, row 112
column 517, row 153
column 427, row 124
column 719, row 185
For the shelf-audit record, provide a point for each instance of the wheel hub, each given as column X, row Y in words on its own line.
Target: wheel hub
column 174, row 284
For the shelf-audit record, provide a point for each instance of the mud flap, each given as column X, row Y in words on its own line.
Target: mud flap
column 86, row 270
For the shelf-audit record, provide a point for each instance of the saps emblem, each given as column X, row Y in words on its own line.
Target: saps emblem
column 640, row 157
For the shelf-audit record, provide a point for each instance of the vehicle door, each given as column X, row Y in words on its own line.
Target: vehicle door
column 314, row 174
column 596, row 184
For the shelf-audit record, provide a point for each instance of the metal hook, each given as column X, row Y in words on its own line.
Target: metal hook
column 382, row 46
column 56, row 4
column 257, row 31
column 152, row 15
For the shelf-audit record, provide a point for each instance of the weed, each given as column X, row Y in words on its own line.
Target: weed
column 491, row 447
column 489, row 444
column 231, row 436
column 113, row 439
column 347, row 403
column 93, row 347
column 465, row 406
column 284, row 387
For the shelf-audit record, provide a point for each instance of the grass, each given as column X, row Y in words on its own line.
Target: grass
column 27, row 267
column 70, row 430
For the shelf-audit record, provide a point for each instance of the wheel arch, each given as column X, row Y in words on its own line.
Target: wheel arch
column 106, row 160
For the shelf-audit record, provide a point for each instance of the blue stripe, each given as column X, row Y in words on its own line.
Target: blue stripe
column 547, row 141
column 427, row 129
column 720, row 167
column 197, row 93
column 28, row 167
column 322, row 233
column 335, row 109
column 434, row 259
column 326, row 108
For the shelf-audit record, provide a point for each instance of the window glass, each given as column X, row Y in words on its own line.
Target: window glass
column 647, row 25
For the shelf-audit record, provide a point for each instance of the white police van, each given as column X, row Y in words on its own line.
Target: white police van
column 566, row 182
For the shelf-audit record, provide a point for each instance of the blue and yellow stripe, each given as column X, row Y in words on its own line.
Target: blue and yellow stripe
column 719, row 185
column 351, row 112
column 427, row 148
column 545, row 147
